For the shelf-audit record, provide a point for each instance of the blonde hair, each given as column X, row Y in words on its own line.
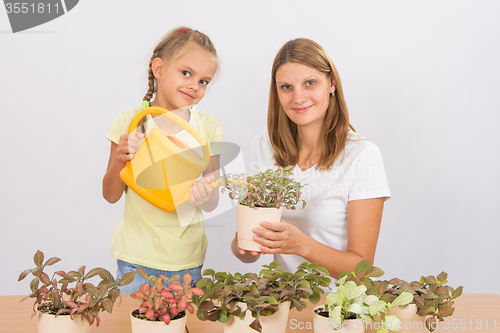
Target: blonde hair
column 283, row 132
column 170, row 46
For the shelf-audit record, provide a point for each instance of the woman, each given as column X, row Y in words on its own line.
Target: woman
column 308, row 127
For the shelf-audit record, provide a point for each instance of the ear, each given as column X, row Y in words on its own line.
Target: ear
column 157, row 67
column 333, row 83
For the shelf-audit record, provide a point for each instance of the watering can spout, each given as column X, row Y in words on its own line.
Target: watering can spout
column 164, row 168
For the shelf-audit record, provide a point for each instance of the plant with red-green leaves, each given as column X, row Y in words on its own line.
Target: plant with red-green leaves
column 433, row 298
column 262, row 293
column 72, row 293
column 269, row 189
column 164, row 299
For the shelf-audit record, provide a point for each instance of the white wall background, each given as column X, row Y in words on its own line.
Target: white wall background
column 421, row 79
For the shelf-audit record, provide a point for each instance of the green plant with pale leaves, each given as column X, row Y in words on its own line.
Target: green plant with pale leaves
column 164, row 299
column 72, row 293
column 268, row 189
column 262, row 293
column 351, row 302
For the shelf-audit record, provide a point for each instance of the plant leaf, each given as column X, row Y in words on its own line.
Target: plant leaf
column 186, row 279
column 374, row 272
column 24, row 274
column 127, row 278
column 392, row 323
column 106, row 275
column 107, row 304
column 362, row 266
column 403, row 299
column 376, row 307
column 142, row 273
column 38, row 258
column 52, row 261
column 457, row 292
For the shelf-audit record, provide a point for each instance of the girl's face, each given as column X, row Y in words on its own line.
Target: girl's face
column 304, row 93
column 183, row 82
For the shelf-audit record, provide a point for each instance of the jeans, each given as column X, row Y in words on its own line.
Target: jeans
column 125, row 267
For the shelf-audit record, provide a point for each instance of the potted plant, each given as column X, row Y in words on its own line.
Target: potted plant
column 61, row 308
column 256, row 300
column 261, row 198
column 350, row 308
column 433, row 300
column 163, row 303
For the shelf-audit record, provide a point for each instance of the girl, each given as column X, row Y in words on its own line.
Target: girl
column 181, row 67
column 308, row 127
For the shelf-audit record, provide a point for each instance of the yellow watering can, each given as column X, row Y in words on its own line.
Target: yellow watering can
column 164, row 168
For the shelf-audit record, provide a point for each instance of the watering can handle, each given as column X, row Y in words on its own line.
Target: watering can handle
column 175, row 118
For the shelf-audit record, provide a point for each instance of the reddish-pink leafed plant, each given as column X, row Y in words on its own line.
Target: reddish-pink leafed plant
column 164, row 299
column 56, row 297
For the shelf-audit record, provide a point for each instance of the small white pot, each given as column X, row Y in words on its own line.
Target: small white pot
column 146, row 326
column 322, row 324
column 48, row 323
column 250, row 218
column 411, row 322
column 275, row 323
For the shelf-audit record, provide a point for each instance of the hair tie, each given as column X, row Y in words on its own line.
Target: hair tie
column 145, row 105
column 181, row 31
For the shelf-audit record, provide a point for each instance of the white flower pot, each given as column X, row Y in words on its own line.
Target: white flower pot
column 322, row 324
column 411, row 322
column 146, row 326
column 48, row 323
column 275, row 323
column 250, row 218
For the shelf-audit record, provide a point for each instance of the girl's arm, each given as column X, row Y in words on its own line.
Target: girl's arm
column 112, row 185
column 363, row 226
column 202, row 194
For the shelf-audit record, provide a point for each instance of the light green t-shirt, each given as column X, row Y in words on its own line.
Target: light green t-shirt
column 149, row 236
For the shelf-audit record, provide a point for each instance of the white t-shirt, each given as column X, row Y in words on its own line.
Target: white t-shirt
column 357, row 174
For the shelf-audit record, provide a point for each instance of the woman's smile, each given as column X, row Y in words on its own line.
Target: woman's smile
column 302, row 109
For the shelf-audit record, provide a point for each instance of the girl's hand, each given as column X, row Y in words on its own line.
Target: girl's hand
column 239, row 249
column 201, row 191
column 280, row 237
column 128, row 146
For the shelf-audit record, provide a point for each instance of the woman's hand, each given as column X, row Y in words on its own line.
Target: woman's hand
column 280, row 237
column 128, row 146
column 201, row 191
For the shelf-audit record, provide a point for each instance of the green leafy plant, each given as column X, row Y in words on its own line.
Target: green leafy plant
column 160, row 302
column 58, row 298
column 269, row 189
column 350, row 301
column 262, row 293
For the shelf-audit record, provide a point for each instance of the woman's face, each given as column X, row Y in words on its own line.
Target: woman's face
column 304, row 93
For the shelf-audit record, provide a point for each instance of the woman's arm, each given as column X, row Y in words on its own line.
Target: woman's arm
column 363, row 226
